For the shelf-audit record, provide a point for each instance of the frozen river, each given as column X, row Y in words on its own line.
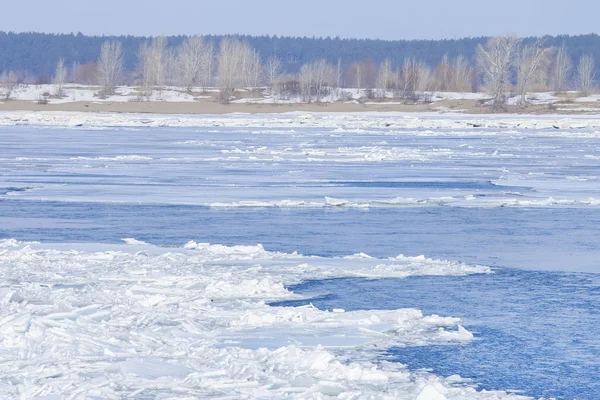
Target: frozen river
column 524, row 201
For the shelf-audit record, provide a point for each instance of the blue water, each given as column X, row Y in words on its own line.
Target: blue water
column 541, row 239
column 535, row 331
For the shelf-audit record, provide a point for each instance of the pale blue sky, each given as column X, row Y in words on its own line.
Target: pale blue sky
column 385, row 19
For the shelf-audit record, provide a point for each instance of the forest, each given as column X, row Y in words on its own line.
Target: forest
column 36, row 54
column 307, row 69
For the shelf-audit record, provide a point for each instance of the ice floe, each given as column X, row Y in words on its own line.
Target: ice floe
column 140, row 321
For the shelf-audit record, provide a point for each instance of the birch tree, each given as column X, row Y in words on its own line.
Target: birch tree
column 159, row 59
column 425, row 81
column 171, row 68
column 196, row 63
column 561, row 69
column 410, row 78
column 315, row 80
column 339, row 74
column 110, row 67
column 207, row 66
column 273, row 71
column 306, row 78
column 444, row 75
column 8, row 81
column 586, row 72
column 144, row 66
column 462, row 75
column 531, row 61
column 152, row 62
column 323, row 73
column 231, row 66
column 251, row 67
column 191, row 60
column 60, row 77
column 496, row 59
column 385, row 77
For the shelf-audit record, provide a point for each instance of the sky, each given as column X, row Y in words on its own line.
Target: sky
column 382, row 19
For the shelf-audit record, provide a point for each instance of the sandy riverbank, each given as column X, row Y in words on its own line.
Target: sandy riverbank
column 210, row 107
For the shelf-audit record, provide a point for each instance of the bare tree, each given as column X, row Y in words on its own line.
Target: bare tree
column 160, row 60
column 145, row 69
column 385, row 77
column 410, row 78
column 251, row 67
column 561, row 69
column 8, row 82
column 86, row 74
column 444, row 75
column 496, row 60
column 233, row 64
column 306, row 78
column 362, row 75
column 339, row 73
column 152, row 62
column 463, row 74
column 398, row 83
column 425, row 80
column 207, row 66
column 110, row 67
column 531, row 61
column 358, row 73
column 73, row 71
column 586, row 72
column 542, row 76
column 195, row 63
column 190, row 59
column 355, row 75
column 273, row 70
column 316, row 79
column 324, row 76
column 60, row 77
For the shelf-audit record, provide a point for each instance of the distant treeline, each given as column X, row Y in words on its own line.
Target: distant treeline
column 35, row 55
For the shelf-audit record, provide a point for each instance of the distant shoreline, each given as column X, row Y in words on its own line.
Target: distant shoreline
column 207, row 107
column 199, row 101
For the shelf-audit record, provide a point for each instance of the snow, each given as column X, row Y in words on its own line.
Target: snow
column 75, row 93
column 133, row 320
column 587, row 99
column 132, row 241
column 430, row 124
column 459, row 96
column 91, row 93
column 467, row 201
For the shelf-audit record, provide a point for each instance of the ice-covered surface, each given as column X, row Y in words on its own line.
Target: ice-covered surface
column 135, row 320
column 427, row 124
column 144, row 321
column 303, row 161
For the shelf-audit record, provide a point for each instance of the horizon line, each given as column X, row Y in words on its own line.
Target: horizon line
column 123, row 35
